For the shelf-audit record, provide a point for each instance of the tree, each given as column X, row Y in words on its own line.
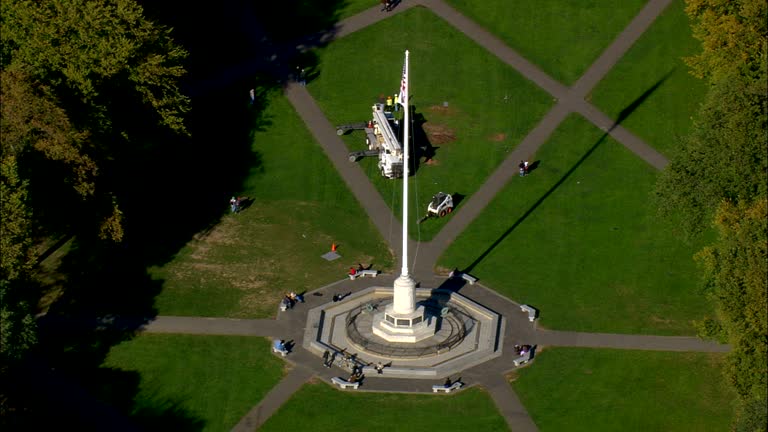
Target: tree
column 736, row 274
column 90, row 48
column 725, row 155
column 17, row 327
column 719, row 176
column 82, row 82
column 732, row 34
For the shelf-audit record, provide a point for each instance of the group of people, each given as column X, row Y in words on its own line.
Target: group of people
column 355, row 376
column 392, row 102
column 280, row 346
column 291, row 299
column 522, row 349
column 388, row 5
column 523, row 168
column 353, row 271
column 236, row 204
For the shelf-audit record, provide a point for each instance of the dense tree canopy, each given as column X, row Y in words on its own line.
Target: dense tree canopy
column 725, row 156
column 719, row 177
column 732, row 34
column 736, row 270
column 91, row 47
column 79, row 81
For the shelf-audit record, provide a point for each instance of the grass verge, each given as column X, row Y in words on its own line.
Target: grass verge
column 318, row 407
column 578, row 240
column 609, row 390
column 650, row 88
column 212, row 381
column 470, row 113
column 300, row 206
column 562, row 37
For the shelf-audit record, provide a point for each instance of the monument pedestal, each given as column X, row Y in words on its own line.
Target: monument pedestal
column 410, row 328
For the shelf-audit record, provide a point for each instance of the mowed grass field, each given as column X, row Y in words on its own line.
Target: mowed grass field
column 562, row 37
column 206, row 382
column 573, row 389
column 651, row 86
column 470, row 107
column 318, row 407
column 244, row 265
column 578, row 240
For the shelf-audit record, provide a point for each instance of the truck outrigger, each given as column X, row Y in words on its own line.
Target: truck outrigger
column 381, row 138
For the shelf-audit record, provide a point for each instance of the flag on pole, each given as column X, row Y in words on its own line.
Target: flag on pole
column 404, row 83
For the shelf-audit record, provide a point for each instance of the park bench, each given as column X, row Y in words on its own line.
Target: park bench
column 341, row 382
column 523, row 359
column 531, row 312
column 362, row 273
column 447, row 388
column 466, row 276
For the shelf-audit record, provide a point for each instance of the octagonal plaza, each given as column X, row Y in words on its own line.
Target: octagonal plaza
column 466, row 334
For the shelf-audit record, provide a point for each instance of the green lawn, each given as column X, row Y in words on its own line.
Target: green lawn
column 215, row 380
column 653, row 77
column 243, row 266
column 569, row 389
column 320, row 408
column 562, row 37
column 583, row 246
column 475, row 111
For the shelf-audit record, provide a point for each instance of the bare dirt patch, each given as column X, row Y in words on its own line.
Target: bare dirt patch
column 447, row 110
column 439, row 134
column 498, row 137
column 658, row 319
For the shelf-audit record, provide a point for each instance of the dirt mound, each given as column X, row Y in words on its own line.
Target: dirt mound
column 439, row 134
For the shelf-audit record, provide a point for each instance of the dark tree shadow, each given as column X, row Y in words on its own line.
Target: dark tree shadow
column 169, row 187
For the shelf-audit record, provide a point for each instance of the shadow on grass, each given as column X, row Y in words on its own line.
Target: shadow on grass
column 105, row 401
column 536, row 205
column 623, row 115
column 421, row 146
column 169, row 188
column 626, row 112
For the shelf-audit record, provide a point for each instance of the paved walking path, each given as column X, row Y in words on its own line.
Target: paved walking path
column 274, row 399
column 490, row 375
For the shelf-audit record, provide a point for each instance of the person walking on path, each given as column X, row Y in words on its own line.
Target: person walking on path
column 301, row 75
column 522, row 168
column 525, row 167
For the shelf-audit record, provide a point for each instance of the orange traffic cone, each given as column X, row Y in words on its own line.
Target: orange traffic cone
column 333, row 247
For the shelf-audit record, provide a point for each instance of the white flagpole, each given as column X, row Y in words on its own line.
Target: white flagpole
column 406, row 144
